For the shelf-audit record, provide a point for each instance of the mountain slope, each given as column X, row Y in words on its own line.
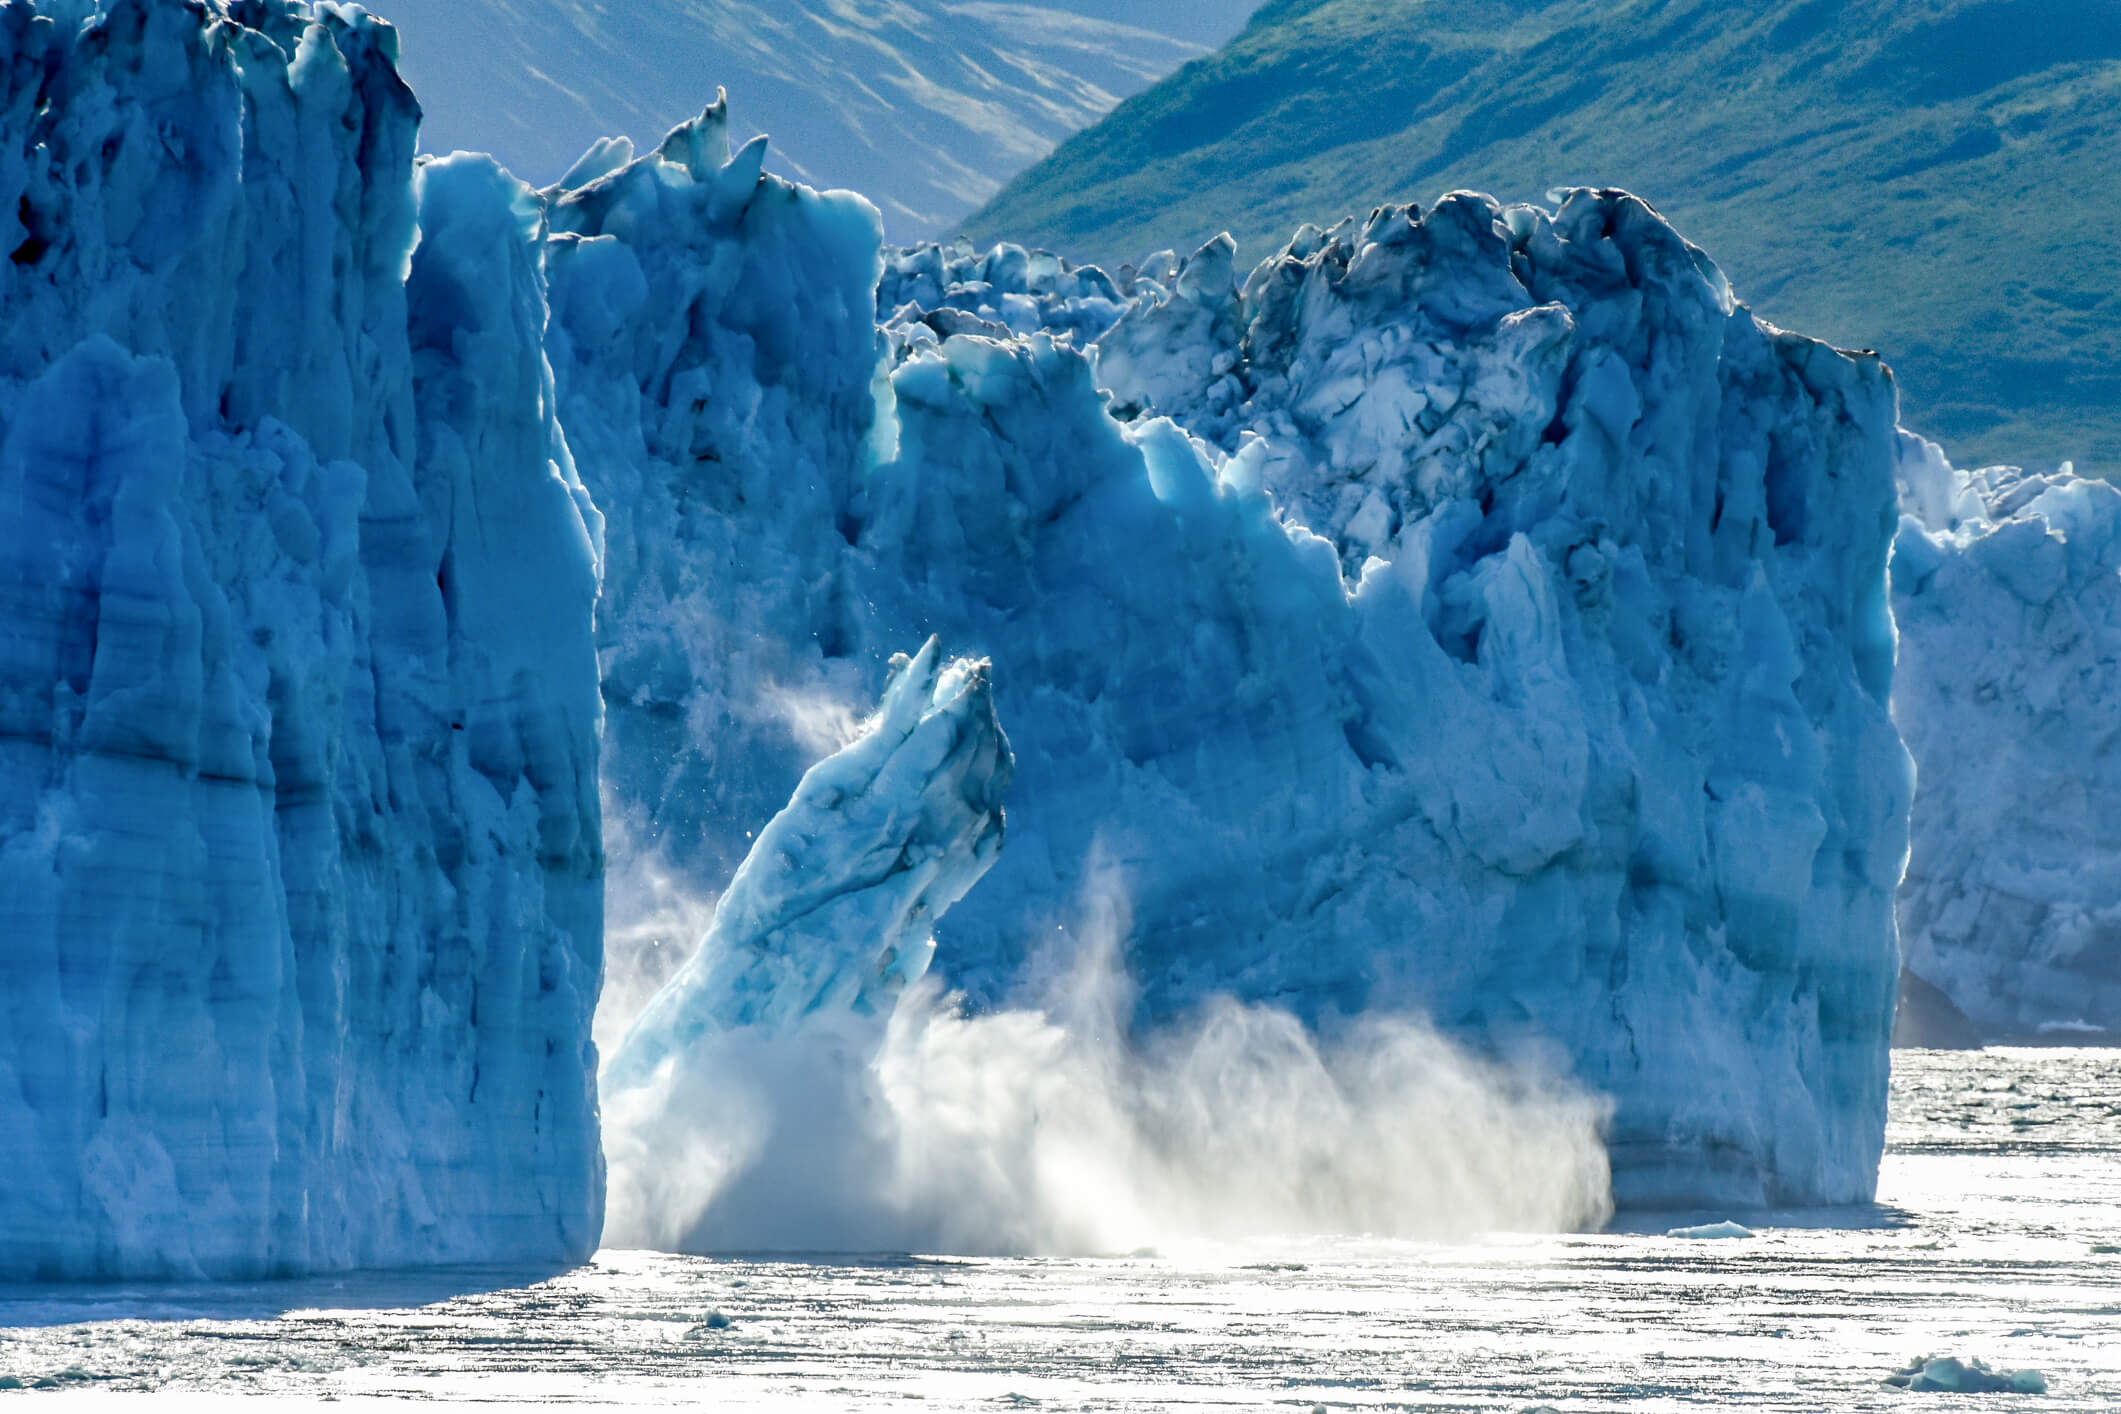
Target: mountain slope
column 925, row 106
column 1936, row 180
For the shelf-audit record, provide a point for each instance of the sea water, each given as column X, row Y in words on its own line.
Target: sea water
column 1996, row 1235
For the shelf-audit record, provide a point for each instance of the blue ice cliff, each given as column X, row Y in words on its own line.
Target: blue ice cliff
column 300, row 859
column 1469, row 611
column 2007, row 587
column 1473, row 610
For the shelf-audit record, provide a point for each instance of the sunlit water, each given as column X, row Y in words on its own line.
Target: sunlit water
column 1997, row 1235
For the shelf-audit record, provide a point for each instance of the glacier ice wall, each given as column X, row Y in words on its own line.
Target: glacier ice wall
column 2007, row 587
column 300, row 859
column 1509, row 637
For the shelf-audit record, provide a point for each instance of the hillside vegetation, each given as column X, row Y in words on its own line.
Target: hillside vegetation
column 1936, row 179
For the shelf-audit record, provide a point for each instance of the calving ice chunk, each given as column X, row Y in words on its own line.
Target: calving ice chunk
column 2007, row 586
column 831, row 910
column 804, row 1082
column 1475, row 611
column 746, row 1087
column 300, row 859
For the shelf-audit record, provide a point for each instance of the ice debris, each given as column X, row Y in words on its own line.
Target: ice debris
column 831, row 911
column 1711, row 1231
column 1948, row 1374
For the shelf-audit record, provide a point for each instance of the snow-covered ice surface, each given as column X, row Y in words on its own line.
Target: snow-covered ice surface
column 1532, row 671
column 1997, row 1237
column 2007, row 587
column 300, row 859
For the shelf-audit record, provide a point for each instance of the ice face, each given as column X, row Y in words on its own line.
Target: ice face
column 300, row 860
column 2007, row 586
column 1509, row 637
column 1474, row 612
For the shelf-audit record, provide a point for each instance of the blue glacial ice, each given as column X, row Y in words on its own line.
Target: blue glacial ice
column 1948, row 1374
column 1473, row 611
column 2007, row 588
column 300, row 851
column 1710, row 1232
column 1470, row 613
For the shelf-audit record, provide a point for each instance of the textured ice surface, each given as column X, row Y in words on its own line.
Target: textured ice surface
column 1509, row 640
column 1646, row 531
column 2007, row 586
column 300, row 861
column 1007, row 290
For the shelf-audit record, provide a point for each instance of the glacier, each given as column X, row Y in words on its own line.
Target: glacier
column 300, row 845
column 1472, row 609
column 1471, row 612
column 2007, row 588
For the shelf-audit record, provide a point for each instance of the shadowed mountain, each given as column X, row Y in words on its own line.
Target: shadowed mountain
column 925, row 106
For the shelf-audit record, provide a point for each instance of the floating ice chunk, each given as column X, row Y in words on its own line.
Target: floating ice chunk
column 1707, row 1231
column 1948, row 1374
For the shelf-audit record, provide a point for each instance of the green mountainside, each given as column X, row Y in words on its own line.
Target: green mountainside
column 1936, row 179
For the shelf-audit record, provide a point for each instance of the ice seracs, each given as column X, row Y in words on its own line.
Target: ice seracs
column 1471, row 611
column 2007, row 587
column 1649, row 533
column 300, row 859
column 1479, row 612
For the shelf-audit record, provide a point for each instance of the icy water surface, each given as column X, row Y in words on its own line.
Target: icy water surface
column 1997, row 1235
